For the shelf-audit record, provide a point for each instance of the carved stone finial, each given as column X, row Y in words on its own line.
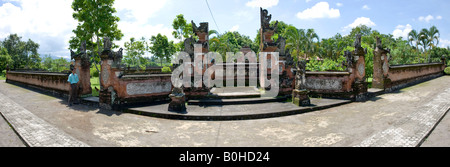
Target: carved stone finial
column 378, row 44
column 265, row 20
column 189, row 45
column 107, row 44
column 357, row 43
column 202, row 29
column 83, row 47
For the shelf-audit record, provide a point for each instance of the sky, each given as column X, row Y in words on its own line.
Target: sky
column 50, row 22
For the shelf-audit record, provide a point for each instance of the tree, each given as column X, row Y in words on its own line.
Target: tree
column 134, row 51
column 161, row 47
column 182, row 30
column 23, row 53
column 413, row 36
column 47, row 63
column 310, row 45
column 294, row 40
column 95, row 19
column 5, row 59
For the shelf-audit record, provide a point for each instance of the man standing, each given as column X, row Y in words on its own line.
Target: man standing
column 73, row 92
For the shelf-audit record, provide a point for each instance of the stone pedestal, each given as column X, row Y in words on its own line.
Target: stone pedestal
column 178, row 103
column 360, row 91
column 300, row 97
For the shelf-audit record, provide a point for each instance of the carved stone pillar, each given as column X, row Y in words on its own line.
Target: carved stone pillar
column 110, row 68
column 300, row 94
column 380, row 66
column 197, row 50
column 82, row 66
column 359, row 70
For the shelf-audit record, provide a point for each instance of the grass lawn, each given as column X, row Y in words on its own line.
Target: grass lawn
column 2, row 77
column 95, row 83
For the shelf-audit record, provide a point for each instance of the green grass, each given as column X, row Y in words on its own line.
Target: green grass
column 369, row 81
column 2, row 77
column 95, row 83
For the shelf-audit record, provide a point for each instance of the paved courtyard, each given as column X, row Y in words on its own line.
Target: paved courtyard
column 402, row 118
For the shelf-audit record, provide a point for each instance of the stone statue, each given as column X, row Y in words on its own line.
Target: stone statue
column 203, row 27
column 281, row 43
column 357, row 43
column 349, row 57
column 83, row 48
column 265, row 20
column 72, row 54
column 189, row 45
column 107, row 44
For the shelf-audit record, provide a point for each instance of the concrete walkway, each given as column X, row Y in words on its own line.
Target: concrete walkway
column 403, row 118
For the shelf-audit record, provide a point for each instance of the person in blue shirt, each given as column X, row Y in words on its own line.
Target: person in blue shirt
column 73, row 92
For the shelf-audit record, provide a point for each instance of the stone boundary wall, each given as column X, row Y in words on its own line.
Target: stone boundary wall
column 330, row 84
column 394, row 77
column 121, row 87
column 404, row 75
column 43, row 80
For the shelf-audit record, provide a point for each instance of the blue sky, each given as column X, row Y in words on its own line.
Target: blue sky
column 50, row 22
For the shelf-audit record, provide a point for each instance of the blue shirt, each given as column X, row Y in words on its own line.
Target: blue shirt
column 73, row 78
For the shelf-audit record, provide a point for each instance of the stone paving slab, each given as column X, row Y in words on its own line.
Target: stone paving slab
column 33, row 130
column 410, row 131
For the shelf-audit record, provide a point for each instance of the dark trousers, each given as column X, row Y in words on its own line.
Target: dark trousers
column 73, row 94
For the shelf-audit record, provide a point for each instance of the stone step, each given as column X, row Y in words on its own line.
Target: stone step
column 235, row 101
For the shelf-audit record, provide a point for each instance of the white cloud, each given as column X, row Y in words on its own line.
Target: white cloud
column 402, row 31
column 429, row 18
column 262, row 3
column 320, row 10
column 365, row 7
column 234, row 28
column 358, row 21
column 139, row 10
column 339, row 4
column 50, row 22
column 444, row 43
column 134, row 20
column 47, row 22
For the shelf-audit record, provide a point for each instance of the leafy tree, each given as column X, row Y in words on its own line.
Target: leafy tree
column 5, row 59
column 47, row 63
column 95, row 20
column 135, row 49
column 23, row 53
column 161, row 47
column 182, row 29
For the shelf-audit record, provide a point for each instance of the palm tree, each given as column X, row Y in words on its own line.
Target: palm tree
column 295, row 40
column 434, row 34
column 310, row 45
column 413, row 36
column 429, row 38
